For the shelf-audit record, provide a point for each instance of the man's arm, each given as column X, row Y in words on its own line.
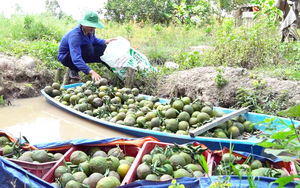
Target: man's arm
column 107, row 41
column 102, row 41
column 75, row 52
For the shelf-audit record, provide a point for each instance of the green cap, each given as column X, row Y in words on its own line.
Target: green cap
column 91, row 20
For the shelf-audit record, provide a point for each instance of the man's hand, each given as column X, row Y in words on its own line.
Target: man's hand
column 107, row 41
column 95, row 76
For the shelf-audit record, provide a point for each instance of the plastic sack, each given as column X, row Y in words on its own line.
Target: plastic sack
column 119, row 56
column 108, row 141
column 186, row 181
column 12, row 175
column 260, row 182
column 114, row 51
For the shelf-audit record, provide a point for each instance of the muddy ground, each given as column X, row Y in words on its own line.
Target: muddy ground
column 24, row 77
column 199, row 83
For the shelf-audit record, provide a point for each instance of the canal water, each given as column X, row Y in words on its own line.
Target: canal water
column 41, row 122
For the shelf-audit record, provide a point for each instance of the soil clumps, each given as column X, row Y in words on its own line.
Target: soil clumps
column 24, row 77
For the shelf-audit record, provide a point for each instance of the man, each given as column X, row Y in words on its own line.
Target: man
column 80, row 46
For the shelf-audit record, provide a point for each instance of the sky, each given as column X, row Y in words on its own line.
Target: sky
column 73, row 7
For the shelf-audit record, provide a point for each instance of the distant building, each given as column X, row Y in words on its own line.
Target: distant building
column 244, row 15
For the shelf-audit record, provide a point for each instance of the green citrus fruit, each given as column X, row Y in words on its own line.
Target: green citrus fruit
column 178, row 104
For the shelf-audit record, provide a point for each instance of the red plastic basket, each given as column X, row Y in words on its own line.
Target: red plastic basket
column 129, row 150
column 146, row 149
column 217, row 156
column 38, row 169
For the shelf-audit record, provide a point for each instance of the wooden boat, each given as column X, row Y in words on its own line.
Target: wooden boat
column 248, row 145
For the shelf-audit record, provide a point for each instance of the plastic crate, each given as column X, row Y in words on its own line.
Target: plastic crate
column 38, row 169
column 146, row 149
column 217, row 156
column 129, row 150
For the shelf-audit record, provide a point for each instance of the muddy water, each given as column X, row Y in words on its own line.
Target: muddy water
column 42, row 122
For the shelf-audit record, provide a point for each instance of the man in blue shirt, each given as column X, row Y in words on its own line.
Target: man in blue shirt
column 80, row 46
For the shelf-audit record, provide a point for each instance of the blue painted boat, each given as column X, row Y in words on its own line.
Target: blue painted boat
column 248, row 145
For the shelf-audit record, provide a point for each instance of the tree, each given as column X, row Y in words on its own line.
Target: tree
column 193, row 11
column 156, row 11
column 17, row 9
column 53, row 7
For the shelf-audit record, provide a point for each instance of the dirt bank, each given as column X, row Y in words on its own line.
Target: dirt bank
column 24, row 77
column 200, row 83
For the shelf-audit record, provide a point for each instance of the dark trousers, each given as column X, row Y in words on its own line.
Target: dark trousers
column 90, row 54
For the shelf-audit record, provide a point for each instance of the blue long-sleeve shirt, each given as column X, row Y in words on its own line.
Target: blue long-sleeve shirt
column 72, row 42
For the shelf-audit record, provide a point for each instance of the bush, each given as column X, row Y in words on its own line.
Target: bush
column 249, row 48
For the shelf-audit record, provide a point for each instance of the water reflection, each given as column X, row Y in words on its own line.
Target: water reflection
column 42, row 122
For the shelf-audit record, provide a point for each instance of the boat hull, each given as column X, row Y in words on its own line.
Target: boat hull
column 211, row 142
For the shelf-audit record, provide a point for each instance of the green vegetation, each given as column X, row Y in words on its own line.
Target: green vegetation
column 220, row 80
column 287, row 141
column 2, row 102
column 176, row 185
column 262, row 100
column 166, row 32
column 253, row 48
column 166, row 12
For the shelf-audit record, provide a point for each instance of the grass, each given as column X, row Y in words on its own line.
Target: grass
column 281, row 72
column 159, row 43
column 258, row 49
column 252, row 48
column 39, row 36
